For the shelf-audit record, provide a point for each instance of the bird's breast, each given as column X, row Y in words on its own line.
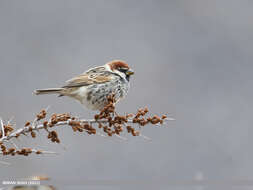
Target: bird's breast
column 95, row 96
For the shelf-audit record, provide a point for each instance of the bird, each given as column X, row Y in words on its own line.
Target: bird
column 93, row 87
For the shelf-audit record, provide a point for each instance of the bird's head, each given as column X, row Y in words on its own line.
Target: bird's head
column 121, row 68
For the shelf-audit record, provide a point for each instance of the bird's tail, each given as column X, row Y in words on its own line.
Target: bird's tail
column 49, row 91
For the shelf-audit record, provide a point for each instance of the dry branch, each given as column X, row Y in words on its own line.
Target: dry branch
column 108, row 120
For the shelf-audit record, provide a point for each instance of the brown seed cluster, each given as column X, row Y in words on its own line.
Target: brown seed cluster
column 27, row 123
column 33, row 134
column 79, row 126
column 53, row 136
column 30, row 129
column 107, row 120
column 12, row 151
column 105, row 113
column 55, row 118
column 41, row 115
column 115, row 123
column 7, row 130
column 9, row 151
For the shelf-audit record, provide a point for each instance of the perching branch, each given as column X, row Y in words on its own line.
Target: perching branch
column 108, row 120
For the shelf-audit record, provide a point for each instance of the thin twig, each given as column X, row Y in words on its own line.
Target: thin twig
column 2, row 128
column 36, row 151
column 14, row 144
column 5, row 163
column 25, row 130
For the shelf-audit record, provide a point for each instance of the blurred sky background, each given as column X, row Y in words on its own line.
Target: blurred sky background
column 192, row 58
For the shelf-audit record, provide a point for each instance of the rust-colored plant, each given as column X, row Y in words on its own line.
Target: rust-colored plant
column 107, row 121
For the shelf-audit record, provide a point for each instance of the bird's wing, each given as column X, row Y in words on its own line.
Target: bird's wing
column 93, row 76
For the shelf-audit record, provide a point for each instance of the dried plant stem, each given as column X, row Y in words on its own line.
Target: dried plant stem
column 36, row 151
column 26, row 130
column 111, row 124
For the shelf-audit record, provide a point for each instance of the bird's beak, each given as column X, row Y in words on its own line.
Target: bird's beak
column 130, row 72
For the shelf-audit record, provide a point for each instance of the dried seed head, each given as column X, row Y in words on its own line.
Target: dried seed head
column 129, row 129
column 27, row 123
column 45, row 123
column 11, row 150
column 41, row 115
column 8, row 129
column 75, row 123
column 3, row 148
column 33, row 134
column 164, row 116
column 100, row 125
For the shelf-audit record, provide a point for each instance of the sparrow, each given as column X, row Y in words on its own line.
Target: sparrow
column 93, row 87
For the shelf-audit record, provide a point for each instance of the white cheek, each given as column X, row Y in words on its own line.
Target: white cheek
column 120, row 73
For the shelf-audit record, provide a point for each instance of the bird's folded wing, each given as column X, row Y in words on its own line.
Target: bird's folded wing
column 88, row 78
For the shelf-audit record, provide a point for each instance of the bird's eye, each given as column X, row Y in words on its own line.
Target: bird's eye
column 123, row 70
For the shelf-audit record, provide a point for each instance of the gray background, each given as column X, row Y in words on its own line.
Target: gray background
column 192, row 58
